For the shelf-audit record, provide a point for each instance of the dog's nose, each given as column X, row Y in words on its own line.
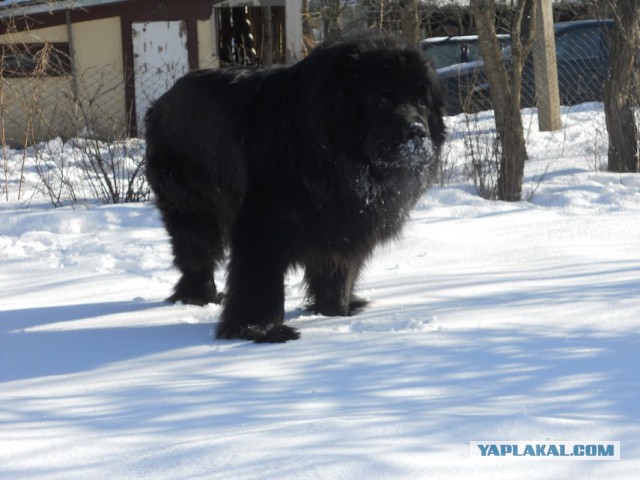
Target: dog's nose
column 417, row 131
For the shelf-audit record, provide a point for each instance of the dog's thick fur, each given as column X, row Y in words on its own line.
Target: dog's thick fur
column 311, row 165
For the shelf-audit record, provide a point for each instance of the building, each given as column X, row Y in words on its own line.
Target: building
column 94, row 66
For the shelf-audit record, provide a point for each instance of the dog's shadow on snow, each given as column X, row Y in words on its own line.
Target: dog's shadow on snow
column 43, row 341
column 24, row 318
column 32, row 345
column 365, row 385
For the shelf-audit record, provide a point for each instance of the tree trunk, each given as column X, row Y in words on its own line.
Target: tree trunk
column 331, row 18
column 307, row 30
column 505, row 92
column 619, row 89
column 410, row 21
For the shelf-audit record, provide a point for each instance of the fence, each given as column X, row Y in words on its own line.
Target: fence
column 582, row 52
column 64, row 135
column 94, row 158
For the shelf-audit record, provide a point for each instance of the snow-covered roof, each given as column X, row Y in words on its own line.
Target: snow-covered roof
column 465, row 3
column 31, row 7
column 461, row 38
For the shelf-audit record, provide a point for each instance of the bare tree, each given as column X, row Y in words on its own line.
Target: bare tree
column 505, row 85
column 410, row 21
column 621, row 87
column 331, row 10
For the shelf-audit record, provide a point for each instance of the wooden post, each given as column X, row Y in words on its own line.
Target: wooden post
column 546, row 70
column 293, row 29
column 266, row 44
column 215, row 36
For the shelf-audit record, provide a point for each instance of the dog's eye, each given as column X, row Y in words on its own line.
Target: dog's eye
column 422, row 103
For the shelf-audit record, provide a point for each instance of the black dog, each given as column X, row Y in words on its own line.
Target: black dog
column 311, row 165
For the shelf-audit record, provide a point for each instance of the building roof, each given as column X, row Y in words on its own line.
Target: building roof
column 33, row 7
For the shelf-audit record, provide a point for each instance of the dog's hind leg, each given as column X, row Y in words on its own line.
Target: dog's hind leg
column 197, row 248
column 330, row 283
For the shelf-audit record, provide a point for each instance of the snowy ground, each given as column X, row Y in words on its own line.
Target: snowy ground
column 488, row 321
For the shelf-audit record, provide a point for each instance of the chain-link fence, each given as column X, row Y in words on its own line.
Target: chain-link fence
column 582, row 60
column 64, row 135
column 95, row 104
column 40, row 107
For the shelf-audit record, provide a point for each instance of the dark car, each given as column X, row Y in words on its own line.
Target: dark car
column 445, row 51
column 582, row 53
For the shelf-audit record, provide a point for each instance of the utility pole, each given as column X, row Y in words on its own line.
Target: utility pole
column 546, row 70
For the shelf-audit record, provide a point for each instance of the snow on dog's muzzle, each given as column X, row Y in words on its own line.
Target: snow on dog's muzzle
column 418, row 143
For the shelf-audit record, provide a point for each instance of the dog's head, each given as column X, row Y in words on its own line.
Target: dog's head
column 380, row 102
column 402, row 120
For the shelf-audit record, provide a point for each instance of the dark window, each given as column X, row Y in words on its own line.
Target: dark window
column 35, row 60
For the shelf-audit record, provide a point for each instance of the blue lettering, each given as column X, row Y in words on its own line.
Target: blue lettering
column 548, row 450
column 504, row 449
column 483, row 449
column 605, row 451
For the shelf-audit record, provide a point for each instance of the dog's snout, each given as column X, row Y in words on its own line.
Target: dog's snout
column 417, row 130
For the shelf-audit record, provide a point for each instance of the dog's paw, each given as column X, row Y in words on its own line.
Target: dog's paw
column 355, row 306
column 261, row 334
column 201, row 296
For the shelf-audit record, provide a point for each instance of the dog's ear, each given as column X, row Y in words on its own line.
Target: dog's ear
column 330, row 100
